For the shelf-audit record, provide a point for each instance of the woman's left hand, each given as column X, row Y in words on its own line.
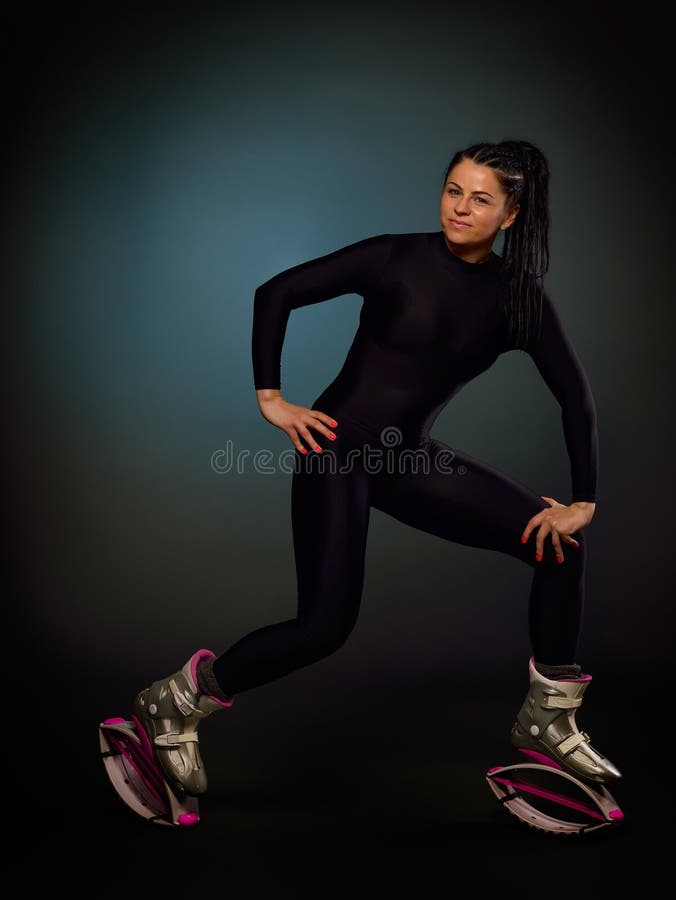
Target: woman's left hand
column 559, row 520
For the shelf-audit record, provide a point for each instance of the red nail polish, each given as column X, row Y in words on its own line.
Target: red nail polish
column 303, row 449
column 318, row 449
column 538, row 556
column 559, row 559
column 523, row 539
column 333, row 423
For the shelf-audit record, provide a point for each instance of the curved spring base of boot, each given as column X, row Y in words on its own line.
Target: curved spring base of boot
column 545, row 797
column 130, row 765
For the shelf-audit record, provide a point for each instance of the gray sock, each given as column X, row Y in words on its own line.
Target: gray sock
column 207, row 680
column 567, row 670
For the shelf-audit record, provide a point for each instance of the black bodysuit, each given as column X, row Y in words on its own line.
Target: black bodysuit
column 430, row 322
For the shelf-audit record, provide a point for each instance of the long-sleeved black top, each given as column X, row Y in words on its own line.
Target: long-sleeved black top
column 430, row 322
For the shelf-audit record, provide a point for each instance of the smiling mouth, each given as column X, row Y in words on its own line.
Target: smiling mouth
column 460, row 224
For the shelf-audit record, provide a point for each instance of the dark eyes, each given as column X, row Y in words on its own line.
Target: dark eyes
column 456, row 191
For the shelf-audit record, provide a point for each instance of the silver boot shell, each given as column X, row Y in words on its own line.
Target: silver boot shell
column 170, row 711
column 546, row 724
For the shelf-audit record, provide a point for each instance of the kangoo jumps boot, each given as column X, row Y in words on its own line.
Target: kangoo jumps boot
column 170, row 711
column 546, row 723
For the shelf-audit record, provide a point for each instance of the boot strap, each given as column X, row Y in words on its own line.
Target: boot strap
column 563, row 702
column 183, row 705
column 570, row 743
column 172, row 739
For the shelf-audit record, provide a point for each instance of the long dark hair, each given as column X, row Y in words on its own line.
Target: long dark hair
column 523, row 173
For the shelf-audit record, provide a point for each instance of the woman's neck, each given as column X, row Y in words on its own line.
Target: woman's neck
column 476, row 255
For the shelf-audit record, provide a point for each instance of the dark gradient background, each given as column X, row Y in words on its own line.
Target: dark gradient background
column 162, row 162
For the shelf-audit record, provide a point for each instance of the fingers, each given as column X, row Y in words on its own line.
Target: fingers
column 305, row 433
column 540, row 541
column 557, row 537
column 532, row 523
column 320, row 421
column 296, row 441
column 546, row 527
column 315, row 421
column 556, row 540
column 328, row 420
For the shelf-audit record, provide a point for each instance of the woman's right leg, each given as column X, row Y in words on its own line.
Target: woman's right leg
column 330, row 515
column 330, row 505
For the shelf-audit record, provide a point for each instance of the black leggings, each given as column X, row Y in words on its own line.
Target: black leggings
column 449, row 494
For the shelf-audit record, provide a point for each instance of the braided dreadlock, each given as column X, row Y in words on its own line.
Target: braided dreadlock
column 523, row 173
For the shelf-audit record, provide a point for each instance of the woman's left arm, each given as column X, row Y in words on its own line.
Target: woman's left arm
column 561, row 369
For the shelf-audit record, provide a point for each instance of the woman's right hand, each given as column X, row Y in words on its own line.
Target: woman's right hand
column 296, row 421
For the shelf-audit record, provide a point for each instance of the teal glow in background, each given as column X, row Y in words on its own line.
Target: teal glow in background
column 170, row 163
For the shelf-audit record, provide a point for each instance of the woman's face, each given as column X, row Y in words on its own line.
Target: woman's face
column 473, row 206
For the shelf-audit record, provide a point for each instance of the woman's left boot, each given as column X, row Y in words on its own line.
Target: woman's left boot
column 546, row 723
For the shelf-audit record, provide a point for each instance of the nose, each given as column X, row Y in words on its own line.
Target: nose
column 461, row 206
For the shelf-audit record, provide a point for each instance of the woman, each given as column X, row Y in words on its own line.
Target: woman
column 439, row 308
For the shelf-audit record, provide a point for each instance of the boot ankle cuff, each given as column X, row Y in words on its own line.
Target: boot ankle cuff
column 566, row 670
column 208, row 682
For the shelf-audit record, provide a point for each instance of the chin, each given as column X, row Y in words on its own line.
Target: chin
column 456, row 236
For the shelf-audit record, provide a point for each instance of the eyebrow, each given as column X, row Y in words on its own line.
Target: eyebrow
column 474, row 192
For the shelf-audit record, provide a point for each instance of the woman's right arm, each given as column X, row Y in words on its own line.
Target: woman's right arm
column 350, row 270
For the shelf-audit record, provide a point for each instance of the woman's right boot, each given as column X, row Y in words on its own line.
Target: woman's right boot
column 170, row 711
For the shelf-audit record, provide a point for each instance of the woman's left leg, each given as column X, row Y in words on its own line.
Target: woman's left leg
column 456, row 496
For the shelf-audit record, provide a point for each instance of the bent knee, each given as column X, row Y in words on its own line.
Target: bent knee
column 320, row 639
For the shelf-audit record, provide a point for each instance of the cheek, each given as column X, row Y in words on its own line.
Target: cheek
column 489, row 218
